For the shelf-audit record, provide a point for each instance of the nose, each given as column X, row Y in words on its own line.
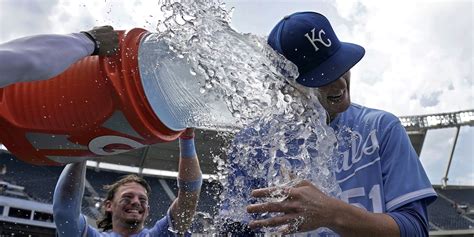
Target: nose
column 135, row 200
column 340, row 83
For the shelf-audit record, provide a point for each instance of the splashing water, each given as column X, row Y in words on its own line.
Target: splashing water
column 285, row 139
column 238, row 69
column 280, row 149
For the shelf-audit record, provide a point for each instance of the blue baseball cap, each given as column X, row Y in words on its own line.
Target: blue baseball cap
column 308, row 40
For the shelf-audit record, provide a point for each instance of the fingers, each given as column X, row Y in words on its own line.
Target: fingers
column 105, row 28
column 270, row 192
column 106, row 40
column 294, row 206
column 289, row 229
column 188, row 133
column 303, row 183
column 267, row 207
column 297, row 225
column 279, row 191
column 274, row 221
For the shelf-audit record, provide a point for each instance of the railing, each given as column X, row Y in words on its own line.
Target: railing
column 443, row 120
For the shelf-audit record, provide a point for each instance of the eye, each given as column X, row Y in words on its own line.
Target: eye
column 126, row 198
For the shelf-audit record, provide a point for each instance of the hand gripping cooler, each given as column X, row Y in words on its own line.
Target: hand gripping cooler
column 95, row 108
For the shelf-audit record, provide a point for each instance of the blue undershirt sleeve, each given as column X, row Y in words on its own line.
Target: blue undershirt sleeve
column 67, row 200
column 162, row 227
column 412, row 218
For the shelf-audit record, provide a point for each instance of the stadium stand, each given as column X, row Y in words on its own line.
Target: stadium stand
column 453, row 210
column 443, row 215
column 21, row 216
column 458, row 194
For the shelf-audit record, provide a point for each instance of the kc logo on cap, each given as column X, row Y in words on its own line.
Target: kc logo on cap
column 312, row 39
column 308, row 40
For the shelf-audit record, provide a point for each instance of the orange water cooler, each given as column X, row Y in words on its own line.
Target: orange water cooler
column 97, row 107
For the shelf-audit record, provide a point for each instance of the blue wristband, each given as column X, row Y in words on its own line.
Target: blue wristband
column 189, row 186
column 187, row 149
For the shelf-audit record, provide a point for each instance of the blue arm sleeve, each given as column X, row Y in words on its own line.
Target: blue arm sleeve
column 162, row 227
column 67, row 200
column 412, row 218
column 41, row 57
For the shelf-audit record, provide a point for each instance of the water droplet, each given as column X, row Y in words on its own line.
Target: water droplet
column 300, row 110
column 236, row 114
column 210, row 72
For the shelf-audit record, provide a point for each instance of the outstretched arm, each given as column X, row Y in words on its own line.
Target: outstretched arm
column 189, row 182
column 307, row 208
column 42, row 57
column 67, row 200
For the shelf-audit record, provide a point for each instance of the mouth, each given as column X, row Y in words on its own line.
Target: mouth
column 133, row 211
column 336, row 98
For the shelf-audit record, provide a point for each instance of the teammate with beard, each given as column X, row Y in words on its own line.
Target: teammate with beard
column 126, row 205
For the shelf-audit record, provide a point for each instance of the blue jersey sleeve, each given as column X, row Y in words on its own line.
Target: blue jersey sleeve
column 412, row 218
column 403, row 175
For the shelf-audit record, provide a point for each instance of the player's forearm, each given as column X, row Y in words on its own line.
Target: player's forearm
column 183, row 210
column 348, row 220
column 189, row 183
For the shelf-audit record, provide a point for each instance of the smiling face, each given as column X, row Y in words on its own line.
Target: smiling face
column 129, row 207
column 335, row 97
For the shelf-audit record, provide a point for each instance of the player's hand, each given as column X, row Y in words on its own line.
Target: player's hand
column 187, row 134
column 305, row 208
column 106, row 40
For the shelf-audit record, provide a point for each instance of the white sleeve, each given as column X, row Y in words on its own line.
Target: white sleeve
column 41, row 57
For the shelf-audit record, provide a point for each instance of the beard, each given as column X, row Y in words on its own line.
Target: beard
column 134, row 223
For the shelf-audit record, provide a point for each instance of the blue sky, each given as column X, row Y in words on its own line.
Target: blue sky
column 419, row 54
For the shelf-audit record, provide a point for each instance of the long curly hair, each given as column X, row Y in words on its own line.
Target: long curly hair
column 105, row 222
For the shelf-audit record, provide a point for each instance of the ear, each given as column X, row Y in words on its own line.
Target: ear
column 108, row 206
column 148, row 211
